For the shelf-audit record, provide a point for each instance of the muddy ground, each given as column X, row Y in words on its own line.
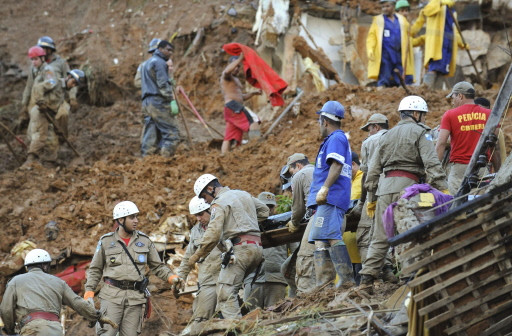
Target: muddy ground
column 81, row 192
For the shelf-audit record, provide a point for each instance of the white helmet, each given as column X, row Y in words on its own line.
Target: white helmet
column 37, row 256
column 197, row 205
column 413, row 103
column 201, row 183
column 125, row 208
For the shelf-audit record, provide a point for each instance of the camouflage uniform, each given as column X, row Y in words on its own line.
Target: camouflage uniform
column 365, row 226
column 407, row 148
column 270, row 285
column 208, row 273
column 47, row 93
column 305, row 267
column 37, row 291
column 235, row 214
column 123, row 306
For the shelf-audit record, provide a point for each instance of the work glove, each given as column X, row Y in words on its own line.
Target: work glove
column 103, row 319
column 88, row 295
column 321, row 196
column 292, row 227
column 466, row 46
column 446, row 191
column 176, row 282
column 174, row 108
column 192, row 260
column 370, row 209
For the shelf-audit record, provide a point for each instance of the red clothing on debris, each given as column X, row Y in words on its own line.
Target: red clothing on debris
column 236, row 125
column 465, row 124
column 258, row 73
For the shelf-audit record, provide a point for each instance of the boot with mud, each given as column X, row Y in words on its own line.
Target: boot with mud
column 324, row 268
column 343, row 266
column 31, row 160
column 167, row 151
column 388, row 275
column 366, row 285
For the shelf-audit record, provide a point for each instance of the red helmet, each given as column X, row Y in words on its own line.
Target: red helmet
column 36, row 51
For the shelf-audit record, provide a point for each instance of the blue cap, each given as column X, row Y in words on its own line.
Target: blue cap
column 153, row 45
column 333, row 110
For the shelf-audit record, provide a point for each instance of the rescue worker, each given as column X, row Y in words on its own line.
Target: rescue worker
column 376, row 126
column 462, row 124
column 34, row 299
column 204, row 303
column 405, row 156
column 160, row 132
column 330, row 196
column 50, row 94
column 238, row 118
column 120, row 258
column 61, row 69
column 270, row 285
column 388, row 47
column 46, row 94
column 441, row 41
column 153, row 45
column 234, row 222
column 302, row 174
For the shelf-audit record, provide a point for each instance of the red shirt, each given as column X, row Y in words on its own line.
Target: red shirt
column 465, row 124
column 126, row 240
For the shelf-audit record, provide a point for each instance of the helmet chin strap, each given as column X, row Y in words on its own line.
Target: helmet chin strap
column 123, row 225
column 412, row 117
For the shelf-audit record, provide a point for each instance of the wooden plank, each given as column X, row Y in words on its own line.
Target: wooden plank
column 492, row 330
column 444, row 301
column 468, row 306
column 437, row 287
column 282, row 236
column 441, row 253
column 427, row 245
column 494, row 311
column 448, row 267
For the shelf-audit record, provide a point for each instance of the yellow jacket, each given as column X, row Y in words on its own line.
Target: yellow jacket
column 435, row 13
column 374, row 46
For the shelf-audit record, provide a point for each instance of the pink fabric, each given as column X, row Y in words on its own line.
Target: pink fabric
column 258, row 73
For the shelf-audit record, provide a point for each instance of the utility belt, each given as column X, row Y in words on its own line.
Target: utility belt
column 125, row 284
column 403, row 173
column 246, row 239
column 38, row 315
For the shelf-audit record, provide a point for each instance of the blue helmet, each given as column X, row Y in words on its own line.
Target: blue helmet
column 46, row 42
column 78, row 75
column 334, row 108
column 153, row 45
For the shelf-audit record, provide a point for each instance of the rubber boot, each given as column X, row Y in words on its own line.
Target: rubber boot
column 366, row 284
column 324, row 269
column 343, row 266
column 357, row 277
column 388, row 275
